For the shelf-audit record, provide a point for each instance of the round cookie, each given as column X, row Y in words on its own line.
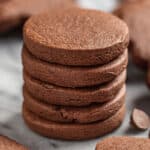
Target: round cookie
column 15, row 12
column 73, row 96
column 8, row 144
column 73, row 131
column 67, row 76
column 76, row 37
column 124, row 143
column 136, row 16
column 89, row 114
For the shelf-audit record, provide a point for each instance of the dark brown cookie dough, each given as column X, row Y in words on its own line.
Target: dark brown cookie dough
column 68, row 76
column 76, row 37
column 136, row 15
column 64, row 114
column 73, row 131
column 124, row 143
column 8, row 144
column 15, row 12
column 73, row 96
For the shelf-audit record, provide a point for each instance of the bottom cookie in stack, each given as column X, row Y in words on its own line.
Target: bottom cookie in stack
column 74, row 123
column 72, row 131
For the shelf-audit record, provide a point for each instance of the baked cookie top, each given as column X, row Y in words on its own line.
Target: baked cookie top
column 76, row 29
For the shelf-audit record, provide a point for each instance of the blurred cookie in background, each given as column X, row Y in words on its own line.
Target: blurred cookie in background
column 8, row 144
column 137, row 15
column 14, row 12
column 131, row 1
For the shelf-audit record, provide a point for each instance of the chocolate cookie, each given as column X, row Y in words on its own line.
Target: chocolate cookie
column 124, row 143
column 15, row 12
column 73, row 131
column 92, row 113
column 136, row 16
column 76, row 37
column 67, row 76
column 8, row 144
column 73, row 96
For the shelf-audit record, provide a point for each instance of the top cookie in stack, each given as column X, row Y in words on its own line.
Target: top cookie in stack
column 73, row 59
column 76, row 38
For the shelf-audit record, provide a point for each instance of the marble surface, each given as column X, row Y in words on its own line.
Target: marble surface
column 11, row 122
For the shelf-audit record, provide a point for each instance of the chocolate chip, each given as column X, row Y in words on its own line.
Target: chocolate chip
column 140, row 119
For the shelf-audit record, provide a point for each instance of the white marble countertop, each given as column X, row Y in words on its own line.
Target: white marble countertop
column 11, row 123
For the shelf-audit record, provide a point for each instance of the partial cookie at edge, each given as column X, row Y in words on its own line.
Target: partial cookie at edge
column 124, row 143
column 8, row 144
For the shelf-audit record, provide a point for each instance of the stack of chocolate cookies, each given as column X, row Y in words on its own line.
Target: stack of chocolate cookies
column 74, row 71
